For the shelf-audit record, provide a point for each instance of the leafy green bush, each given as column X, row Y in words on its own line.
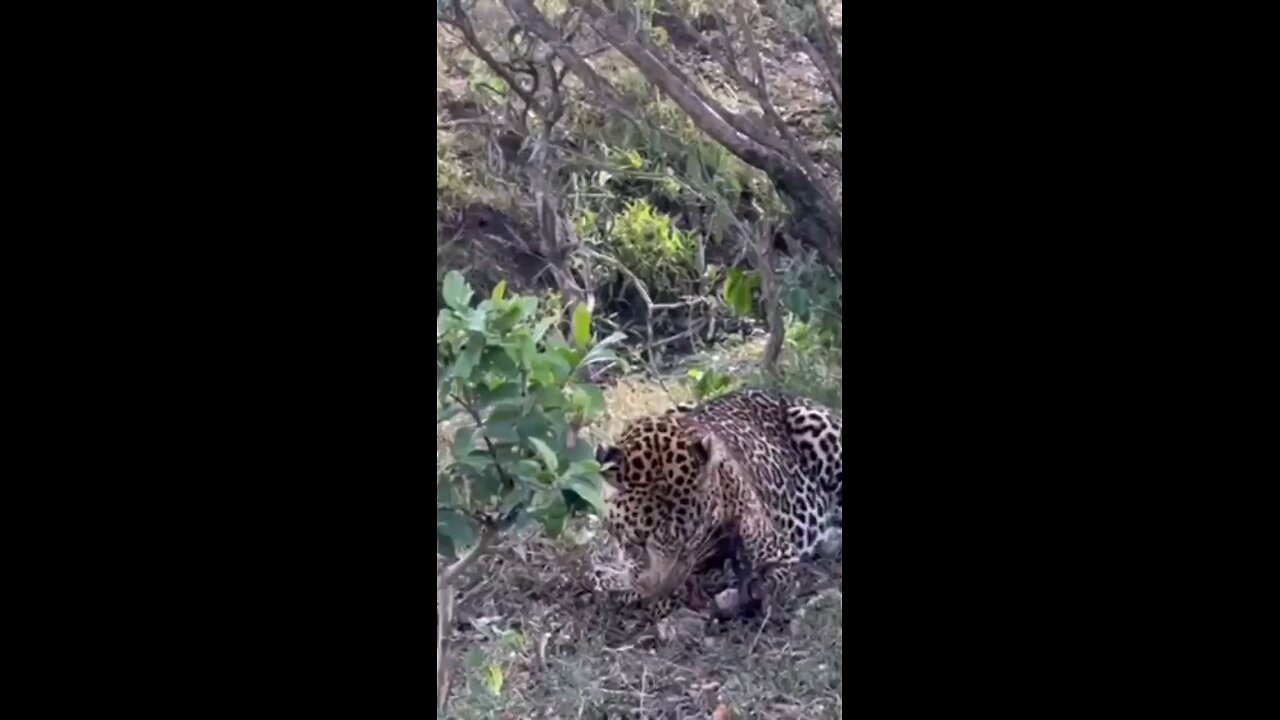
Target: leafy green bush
column 648, row 244
column 815, row 298
column 519, row 384
column 518, row 458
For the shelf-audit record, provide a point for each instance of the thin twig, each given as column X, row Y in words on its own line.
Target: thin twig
column 756, row 639
column 687, row 333
column 465, row 121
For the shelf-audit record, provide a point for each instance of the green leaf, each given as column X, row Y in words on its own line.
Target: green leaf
column 500, row 290
column 507, row 392
column 503, row 431
column 445, row 322
column 554, row 339
column 463, row 442
column 527, row 470
column 513, row 639
column 581, row 326
column 571, row 359
column 588, row 491
column 544, row 452
column 737, row 290
column 493, row 679
column 550, row 398
column 456, row 291
column 797, row 301
column 444, row 547
column 581, row 450
column 477, row 320
column 506, row 411
column 496, row 359
column 584, row 468
column 534, row 425
column 551, row 512
column 470, row 356
column 541, row 328
column 602, row 352
column 518, row 496
column 524, row 307
column 522, row 350
column 455, row 526
column 444, row 413
column 445, row 494
column 551, row 368
column 588, row 400
column 487, row 485
column 471, row 466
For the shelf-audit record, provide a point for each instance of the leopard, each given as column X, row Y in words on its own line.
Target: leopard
column 755, row 476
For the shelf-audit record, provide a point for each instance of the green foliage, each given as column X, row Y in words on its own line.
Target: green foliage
column 738, row 289
column 708, row 384
column 813, row 359
column 810, row 339
column 553, row 9
column 482, row 79
column 506, row 369
column 814, row 296
column 493, row 679
column 648, row 243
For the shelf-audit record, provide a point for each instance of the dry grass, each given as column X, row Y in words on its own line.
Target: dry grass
column 564, row 652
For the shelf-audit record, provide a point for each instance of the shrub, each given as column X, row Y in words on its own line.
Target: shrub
column 518, row 458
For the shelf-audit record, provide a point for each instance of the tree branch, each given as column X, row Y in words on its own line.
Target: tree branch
column 463, row 22
column 761, row 90
column 534, row 21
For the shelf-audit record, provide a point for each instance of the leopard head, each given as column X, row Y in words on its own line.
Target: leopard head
column 666, row 474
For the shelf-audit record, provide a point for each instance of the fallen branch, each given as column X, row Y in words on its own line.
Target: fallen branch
column 691, row 332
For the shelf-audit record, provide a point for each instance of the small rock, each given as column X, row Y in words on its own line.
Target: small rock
column 727, row 601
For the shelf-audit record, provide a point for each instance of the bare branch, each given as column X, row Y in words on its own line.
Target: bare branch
column 465, row 121
column 534, row 21
column 461, row 21
column 739, row 122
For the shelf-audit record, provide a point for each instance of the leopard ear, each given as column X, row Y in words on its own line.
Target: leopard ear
column 610, row 459
column 709, row 456
column 608, row 454
column 706, row 448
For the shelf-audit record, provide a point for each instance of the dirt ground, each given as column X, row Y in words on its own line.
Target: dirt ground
column 562, row 652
